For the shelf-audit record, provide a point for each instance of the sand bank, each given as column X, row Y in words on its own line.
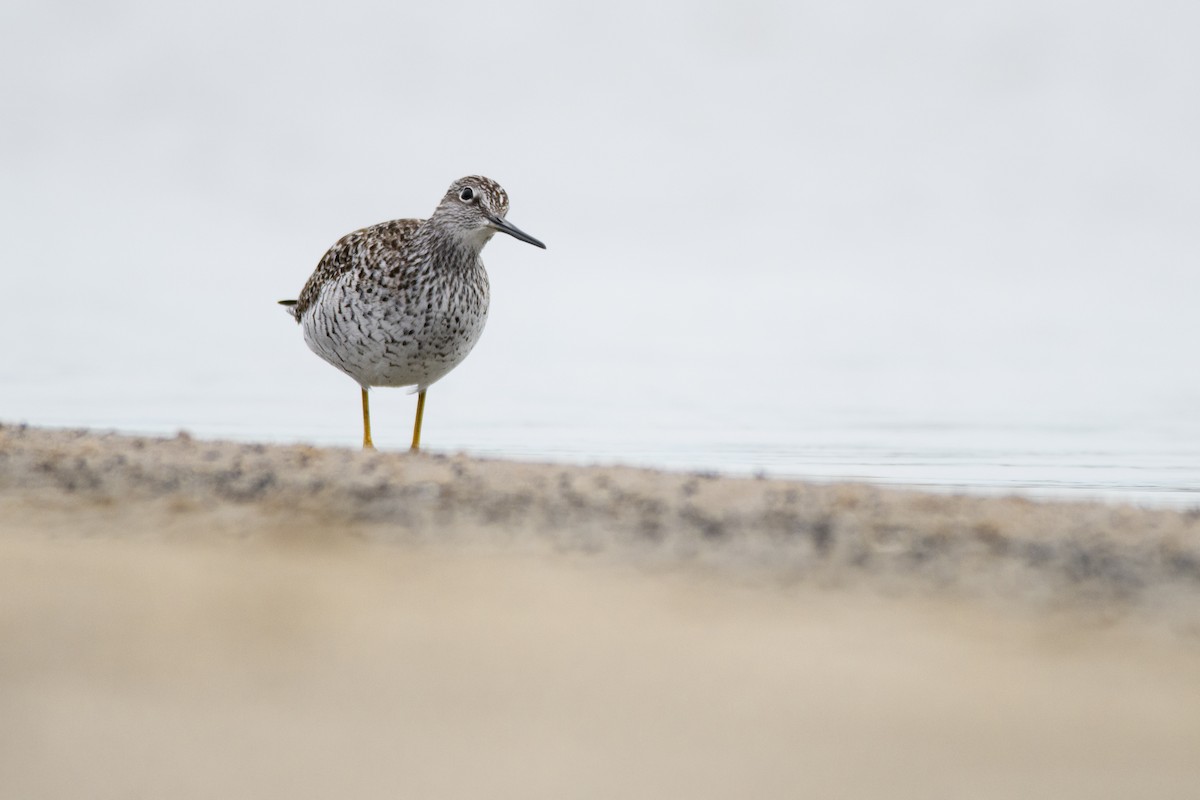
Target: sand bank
column 184, row 618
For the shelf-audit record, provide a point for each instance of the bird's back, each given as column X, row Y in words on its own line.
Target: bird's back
column 383, row 248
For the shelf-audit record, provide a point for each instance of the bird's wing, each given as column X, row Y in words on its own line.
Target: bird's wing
column 357, row 250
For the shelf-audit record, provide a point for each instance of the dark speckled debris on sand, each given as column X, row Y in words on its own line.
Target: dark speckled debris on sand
column 787, row 529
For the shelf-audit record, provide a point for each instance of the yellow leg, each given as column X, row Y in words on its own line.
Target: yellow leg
column 366, row 423
column 416, row 445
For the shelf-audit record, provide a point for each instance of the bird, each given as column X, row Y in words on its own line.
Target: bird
column 403, row 302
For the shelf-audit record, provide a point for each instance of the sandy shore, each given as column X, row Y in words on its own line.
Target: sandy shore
column 184, row 618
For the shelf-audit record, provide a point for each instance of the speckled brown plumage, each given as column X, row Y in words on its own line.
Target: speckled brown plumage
column 402, row 303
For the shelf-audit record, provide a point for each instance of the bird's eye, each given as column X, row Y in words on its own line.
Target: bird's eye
column 466, row 195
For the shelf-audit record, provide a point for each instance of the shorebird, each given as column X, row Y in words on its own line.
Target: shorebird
column 402, row 303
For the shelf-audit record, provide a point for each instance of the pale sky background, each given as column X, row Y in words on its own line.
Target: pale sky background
column 763, row 218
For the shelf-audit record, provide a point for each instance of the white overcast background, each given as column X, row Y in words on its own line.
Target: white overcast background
column 759, row 215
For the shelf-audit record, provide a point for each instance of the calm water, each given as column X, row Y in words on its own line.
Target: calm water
column 1146, row 465
column 564, row 384
column 951, row 247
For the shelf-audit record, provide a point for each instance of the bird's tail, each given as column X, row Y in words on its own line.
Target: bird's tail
column 289, row 306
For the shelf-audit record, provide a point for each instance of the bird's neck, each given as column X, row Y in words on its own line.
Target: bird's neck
column 450, row 246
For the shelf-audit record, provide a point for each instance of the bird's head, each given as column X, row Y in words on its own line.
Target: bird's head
column 474, row 208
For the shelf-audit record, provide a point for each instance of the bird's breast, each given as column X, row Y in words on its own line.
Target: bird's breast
column 398, row 330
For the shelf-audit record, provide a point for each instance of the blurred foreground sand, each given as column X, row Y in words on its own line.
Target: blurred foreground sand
column 192, row 619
